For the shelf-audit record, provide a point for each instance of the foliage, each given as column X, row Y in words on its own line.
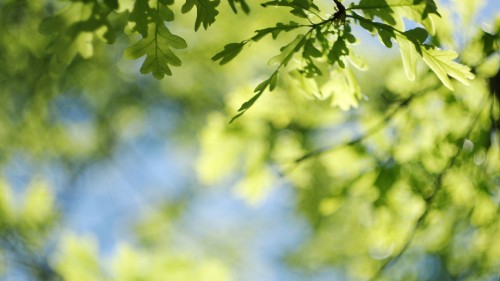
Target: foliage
column 324, row 38
column 403, row 176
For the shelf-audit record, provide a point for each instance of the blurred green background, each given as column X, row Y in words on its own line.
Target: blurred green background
column 108, row 174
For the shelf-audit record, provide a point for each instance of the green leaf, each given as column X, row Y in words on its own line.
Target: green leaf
column 310, row 69
column 273, row 81
column 243, row 4
column 288, row 51
column 156, row 46
column 53, row 24
column 409, row 46
column 409, row 56
column 343, row 88
column 112, row 4
column 418, row 35
column 310, row 54
column 206, row 11
column 490, row 42
column 337, row 52
column 441, row 62
column 259, row 90
column 275, row 31
column 141, row 15
column 230, row 52
column 245, row 106
column 385, row 32
column 165, row 13
column 357, row 61
column 299, row 7
column 310, row 50
column 296, row 5
column 75, row 28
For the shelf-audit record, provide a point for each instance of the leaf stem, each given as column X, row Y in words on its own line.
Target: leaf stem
column 379, row 7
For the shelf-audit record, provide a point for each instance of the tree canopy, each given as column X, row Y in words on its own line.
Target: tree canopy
column 234, row 140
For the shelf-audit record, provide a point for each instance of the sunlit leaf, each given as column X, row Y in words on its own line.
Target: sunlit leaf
column 443, row 64
column 343, row 89
column 409, row 55
column 288, row 51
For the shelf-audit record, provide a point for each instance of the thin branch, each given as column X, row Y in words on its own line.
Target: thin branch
column 380, row 7
column 316, row 14
column 376, row 24
column 373, row 130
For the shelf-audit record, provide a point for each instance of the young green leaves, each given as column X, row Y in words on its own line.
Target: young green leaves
column 392, row 12
column 282, row 59
column 157, row 41
column 299, row 8
column 411, row 45
column 408, row 42
column 321, row 47
column 329, row 40
column 324, row 40
column 411, row 42
column 269, row 83
column 443, row 64
column 231, row 50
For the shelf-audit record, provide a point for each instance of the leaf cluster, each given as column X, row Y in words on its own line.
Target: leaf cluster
column 330, row 39
column 319, row 37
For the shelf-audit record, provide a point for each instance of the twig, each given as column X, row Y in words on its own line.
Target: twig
column 380, row 125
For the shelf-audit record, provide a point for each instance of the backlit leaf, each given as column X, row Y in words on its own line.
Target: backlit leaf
column 288, row 51
column 409, row 56
column 443, row 64
column 343, row 89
